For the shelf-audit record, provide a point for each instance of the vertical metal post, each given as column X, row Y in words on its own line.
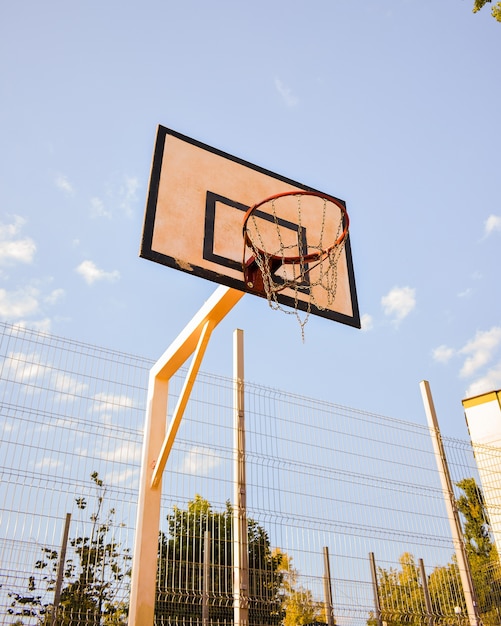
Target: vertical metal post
column 205, row 589
column 450, row 504
column 377, row 605
column 60, row 568
column 426, row 591
column 240, row 538
column 329, row 609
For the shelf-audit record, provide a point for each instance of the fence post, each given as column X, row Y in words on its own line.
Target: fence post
column 375, row 589
column 450, row 504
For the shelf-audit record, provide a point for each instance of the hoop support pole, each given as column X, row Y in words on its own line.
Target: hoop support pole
column 156, row 446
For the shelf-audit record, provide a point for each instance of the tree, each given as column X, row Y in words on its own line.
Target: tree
column 481, row 551
column 298, row 603
column 401, row 595
column 180, row 581
column 94, row 577
column 495, row 11
column 446, row 593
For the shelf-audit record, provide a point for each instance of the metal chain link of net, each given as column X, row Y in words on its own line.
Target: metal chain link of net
column 299, row 276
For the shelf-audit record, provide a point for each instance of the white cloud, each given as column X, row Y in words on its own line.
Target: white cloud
column 10, row 230
column 29, row 368
column 91, row 273
column 443, row 354
column 200, row 461
column 17, row 304
column 128, row 476
column 480, row 350
column 492, row 223
column 288, row 97
column 64, row 184
column 366, row 322
column 67, row 384
column 54, row 296
column 489, row 382
column 22, row 250
column 399, row 302
column 43, row 325
column 128, row 453
column 128, row 194
column 97, row 208
column 12, row 249
column 48, row 463
column 121, row 196
column 24, row 367
column 111, row 402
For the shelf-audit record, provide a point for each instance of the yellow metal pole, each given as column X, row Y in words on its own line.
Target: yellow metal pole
column 193, row 338
column 184, row 396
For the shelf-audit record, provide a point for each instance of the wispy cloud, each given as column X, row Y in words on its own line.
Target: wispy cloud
column 492, row 224
column 478, row 353
column 24, row 367
column 200, row 461
column 128, row 194
column 366, row 322
column 89, row 271
column 112, row 402
column 97, row 208
column 15, row 305
column 480, row 350
column 67, row 384
column 54, row 296
column 48, row 463
column 129, row 476
column 12, row 248
column 129, row 452
column 399, row 302
column 466, row 293
column 490, row 381
column 120, row 197
column 286, row 93
column 443, row 354
column 42, row 325
column 29, row 368
column 64, row 184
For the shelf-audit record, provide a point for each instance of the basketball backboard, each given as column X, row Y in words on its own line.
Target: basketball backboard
column 197, row 200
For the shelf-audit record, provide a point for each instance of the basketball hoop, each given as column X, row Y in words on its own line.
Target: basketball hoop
column 281, row 254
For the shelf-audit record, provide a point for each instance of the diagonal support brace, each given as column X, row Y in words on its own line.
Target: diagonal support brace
column 182, row 402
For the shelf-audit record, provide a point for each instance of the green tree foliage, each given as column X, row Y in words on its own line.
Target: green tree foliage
column 298, row 603
column 495, row 10
column 482, row 553
column 401, row 597
column 446, row 593
column 401, row 594
column 180, row 581
column 94, row 575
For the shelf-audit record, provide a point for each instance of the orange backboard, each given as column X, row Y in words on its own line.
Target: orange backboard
column 197, row 200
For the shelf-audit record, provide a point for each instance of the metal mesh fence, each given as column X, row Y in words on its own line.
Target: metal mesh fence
column 322, row 479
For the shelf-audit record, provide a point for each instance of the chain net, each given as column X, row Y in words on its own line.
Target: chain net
column 301, row 262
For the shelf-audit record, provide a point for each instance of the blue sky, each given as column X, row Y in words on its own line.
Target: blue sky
column 392, row 106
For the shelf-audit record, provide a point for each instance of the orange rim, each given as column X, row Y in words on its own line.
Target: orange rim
column 307, row 258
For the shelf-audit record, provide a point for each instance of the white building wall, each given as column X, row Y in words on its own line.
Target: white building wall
column 483, row 417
